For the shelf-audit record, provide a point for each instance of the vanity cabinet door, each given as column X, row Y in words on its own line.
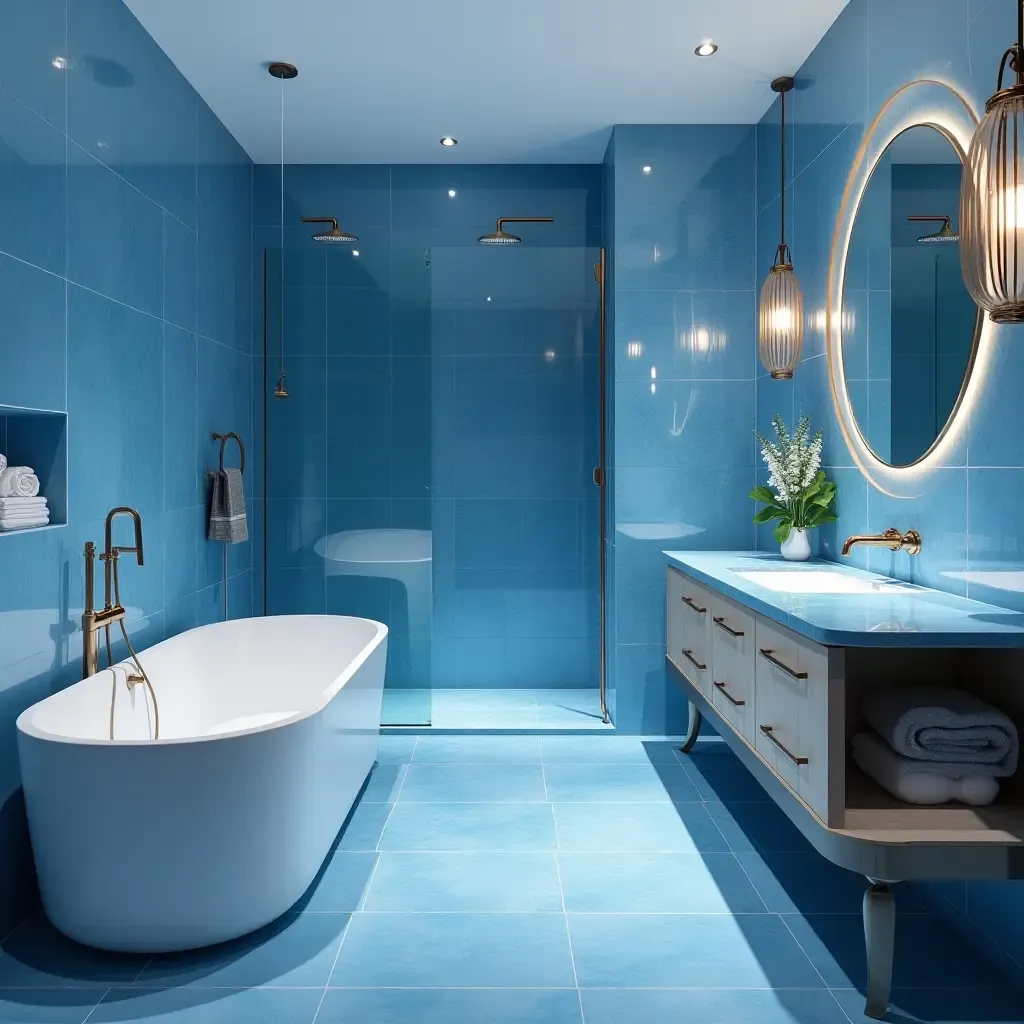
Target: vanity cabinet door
column 688, row 629
column 799, row 717
column 732, row 634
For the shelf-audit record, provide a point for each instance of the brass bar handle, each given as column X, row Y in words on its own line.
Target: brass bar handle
column 767, row 731
column 722, row 624
column 690, row 603
column 729, row 697
column 688, row 655
column 768, row 655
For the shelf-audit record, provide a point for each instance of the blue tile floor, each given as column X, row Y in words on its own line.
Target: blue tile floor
column 549, row 879
column 510, row 710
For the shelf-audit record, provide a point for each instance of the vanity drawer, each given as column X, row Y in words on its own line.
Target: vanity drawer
column 799, row 717
column 688, row 629
column 733, row 645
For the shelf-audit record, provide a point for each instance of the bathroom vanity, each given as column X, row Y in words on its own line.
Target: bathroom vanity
column 778, row 657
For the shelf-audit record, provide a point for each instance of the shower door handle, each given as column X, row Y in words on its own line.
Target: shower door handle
column 599, row 477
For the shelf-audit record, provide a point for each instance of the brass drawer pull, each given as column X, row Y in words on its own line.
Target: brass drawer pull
column 729, row 697
column 768, row 656
column 722, row 624
column 767, row 730
column 688, row 654
column 690, row 603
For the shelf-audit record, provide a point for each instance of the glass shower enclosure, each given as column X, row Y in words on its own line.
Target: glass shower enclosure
column 432, row 467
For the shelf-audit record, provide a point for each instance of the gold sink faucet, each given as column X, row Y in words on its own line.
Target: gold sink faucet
column 891, row 539
column 93, row 621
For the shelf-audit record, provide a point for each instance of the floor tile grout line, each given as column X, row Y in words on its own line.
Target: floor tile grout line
column 800, row 946
column 99, row 1001
column 568, row 930
column 337, row 955
column 373, row 874
column 142, row 970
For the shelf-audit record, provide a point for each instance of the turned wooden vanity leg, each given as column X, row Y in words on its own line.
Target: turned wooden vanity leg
column 879, row 939
column 692, row 729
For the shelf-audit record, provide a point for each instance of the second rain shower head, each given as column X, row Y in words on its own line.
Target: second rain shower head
column 334, row 235
column 501, row 237
column 943, row 235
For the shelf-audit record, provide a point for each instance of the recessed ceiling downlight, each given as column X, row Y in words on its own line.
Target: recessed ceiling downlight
column 448, row 142
column 707, row 49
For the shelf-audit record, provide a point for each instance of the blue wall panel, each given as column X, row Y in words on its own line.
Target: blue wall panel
column 116, row 183
column 968, row 511
column 683, row 364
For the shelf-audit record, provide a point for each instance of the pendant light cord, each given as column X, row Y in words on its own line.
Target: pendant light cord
column 283, row 229
column 782, row 234
column 1020, row 44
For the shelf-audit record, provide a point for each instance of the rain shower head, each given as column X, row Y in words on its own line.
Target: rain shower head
column 334, row 235
column 501, row 237
column 943, row 235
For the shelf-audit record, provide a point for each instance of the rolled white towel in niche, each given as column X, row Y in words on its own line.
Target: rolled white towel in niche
column 3, row 462
column 913, row 782
column 19, row 482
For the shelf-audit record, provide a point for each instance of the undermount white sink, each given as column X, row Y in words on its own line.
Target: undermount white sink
column 816, row 581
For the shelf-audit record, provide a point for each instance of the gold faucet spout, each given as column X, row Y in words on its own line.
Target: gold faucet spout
column 891, row 539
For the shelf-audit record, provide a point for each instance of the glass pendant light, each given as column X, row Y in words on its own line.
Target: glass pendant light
column 992, row 197
column 781, row 318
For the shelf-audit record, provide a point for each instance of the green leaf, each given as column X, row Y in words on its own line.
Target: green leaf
column 766, row 515
column 764, row 494
column 782, row 531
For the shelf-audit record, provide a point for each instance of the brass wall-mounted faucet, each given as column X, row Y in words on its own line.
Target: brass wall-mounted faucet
column 93, row 621
column 891, row 539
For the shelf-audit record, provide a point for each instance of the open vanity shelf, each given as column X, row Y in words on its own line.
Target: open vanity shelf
column 788, row 706
column 38, row 438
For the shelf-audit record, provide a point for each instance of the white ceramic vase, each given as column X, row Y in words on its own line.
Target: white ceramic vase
column 797, row 546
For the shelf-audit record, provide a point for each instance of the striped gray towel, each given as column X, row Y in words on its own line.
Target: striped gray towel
column 227, row 508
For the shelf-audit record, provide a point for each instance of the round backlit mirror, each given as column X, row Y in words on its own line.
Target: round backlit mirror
column 909, row 328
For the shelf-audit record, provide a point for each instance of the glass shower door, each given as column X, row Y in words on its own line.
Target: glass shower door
column 348, row 460
column 515, row 413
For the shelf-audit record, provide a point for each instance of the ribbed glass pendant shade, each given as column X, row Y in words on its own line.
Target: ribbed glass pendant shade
column 992, row 199
column 781, row 320
column 780, row 328
column 992, row 210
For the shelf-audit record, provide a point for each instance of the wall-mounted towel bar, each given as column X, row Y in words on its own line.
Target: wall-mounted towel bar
column 224, row 438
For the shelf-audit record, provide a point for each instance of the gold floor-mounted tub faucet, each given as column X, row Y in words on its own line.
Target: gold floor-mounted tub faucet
column 113, row 611
column 93, row 621
column 891, row 539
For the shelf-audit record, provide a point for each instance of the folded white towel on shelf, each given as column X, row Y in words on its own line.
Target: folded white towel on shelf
column 24, row 523
column 29, row 513
column 19, row 481
column 21, row 504
column 912, row 781
column 3, row 462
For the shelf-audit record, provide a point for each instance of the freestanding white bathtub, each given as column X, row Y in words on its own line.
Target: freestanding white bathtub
column 268, row 729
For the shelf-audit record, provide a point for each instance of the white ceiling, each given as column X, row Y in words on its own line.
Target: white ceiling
column 515, row 81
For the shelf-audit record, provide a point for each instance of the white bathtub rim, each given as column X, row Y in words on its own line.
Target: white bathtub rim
column 26, row 726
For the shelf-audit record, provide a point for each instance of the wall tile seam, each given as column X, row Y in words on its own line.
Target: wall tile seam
column 978, row 14
column 133, row 187
column 799, row 174
column 664, row 379
column 214, row 341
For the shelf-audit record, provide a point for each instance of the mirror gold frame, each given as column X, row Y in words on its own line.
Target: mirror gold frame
column 935, row 105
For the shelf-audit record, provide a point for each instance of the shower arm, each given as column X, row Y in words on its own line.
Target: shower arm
column 524, row 220
column 926, row 218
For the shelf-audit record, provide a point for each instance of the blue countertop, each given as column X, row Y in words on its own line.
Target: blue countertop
column 898, row 615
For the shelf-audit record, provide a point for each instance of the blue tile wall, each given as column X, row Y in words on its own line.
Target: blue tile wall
column 119, row 192
column 442, row 386
column 683, row 359
column 968, row 512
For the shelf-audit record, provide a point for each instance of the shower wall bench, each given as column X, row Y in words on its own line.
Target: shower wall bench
column 781, row 676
